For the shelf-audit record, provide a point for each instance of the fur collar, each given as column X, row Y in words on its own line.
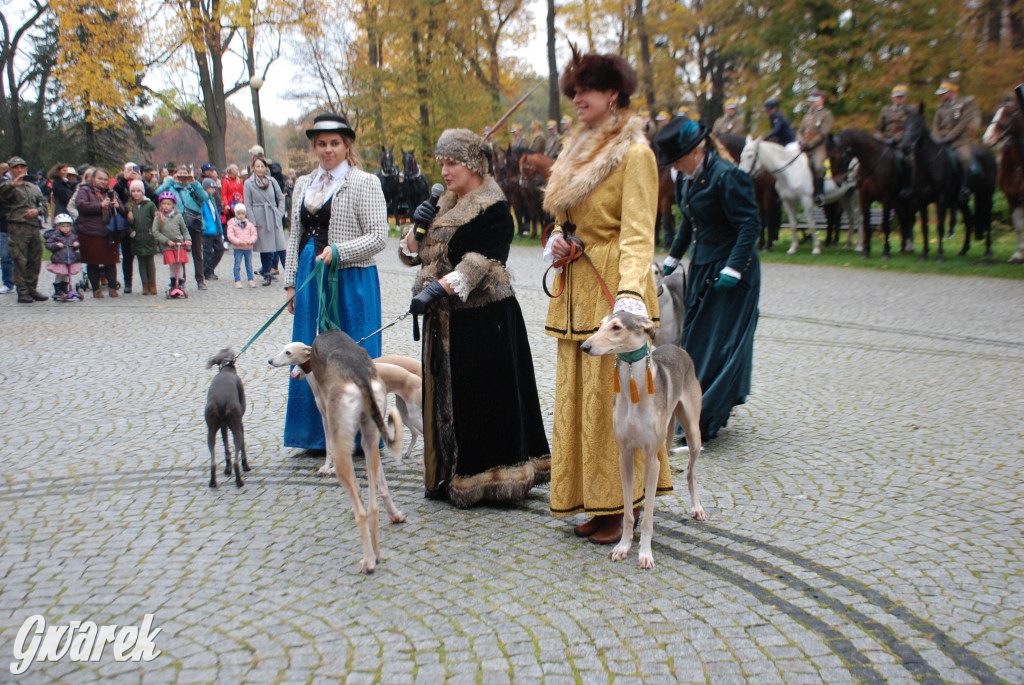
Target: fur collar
column 588, row 157
column 453, row 212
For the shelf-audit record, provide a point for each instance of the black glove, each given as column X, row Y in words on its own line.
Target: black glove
column 423, row 217
column 421, row 302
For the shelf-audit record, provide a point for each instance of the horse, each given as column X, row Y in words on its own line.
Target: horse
column 527, row 208
column 793, row 182
column 665, row 218
column 877, row 178
column 1007, row 127
column 388, row 176
column 415, row 186
column 506, row 174
column 534, row 170
column 768, row 203
column 937, row 179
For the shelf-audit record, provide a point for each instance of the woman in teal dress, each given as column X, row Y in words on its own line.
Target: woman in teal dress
column 720, row 227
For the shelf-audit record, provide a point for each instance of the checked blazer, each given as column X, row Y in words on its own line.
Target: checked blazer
column 359, row 221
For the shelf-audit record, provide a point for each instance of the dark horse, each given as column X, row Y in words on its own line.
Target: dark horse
column 415, row 186
column 1007, row 128
column 937, row 179
column 388, row 175
column 878, row 180
column 768, row 203
column 506, row 173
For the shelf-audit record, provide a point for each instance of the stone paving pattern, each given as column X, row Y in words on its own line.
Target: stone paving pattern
column 865, row 507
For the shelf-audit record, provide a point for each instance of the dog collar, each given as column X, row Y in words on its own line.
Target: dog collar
column 307, row 367
column 634, row 356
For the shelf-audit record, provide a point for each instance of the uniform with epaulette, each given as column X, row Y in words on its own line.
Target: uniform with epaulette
column 729, row 123
column 891, row 122
column 538, row 141
column 957, row 119
column 814, row 129
column 23, row 240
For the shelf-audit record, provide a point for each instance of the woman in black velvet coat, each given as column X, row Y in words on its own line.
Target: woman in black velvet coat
column 484, row 435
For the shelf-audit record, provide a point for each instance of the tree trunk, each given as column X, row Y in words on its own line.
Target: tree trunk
column 554, row 106
column 646, row 78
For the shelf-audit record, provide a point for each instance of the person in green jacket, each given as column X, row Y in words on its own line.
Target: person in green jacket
column 142, row 212
column 720, row 227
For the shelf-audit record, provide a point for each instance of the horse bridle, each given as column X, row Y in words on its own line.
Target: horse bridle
column 861, row 173
column 757, row 160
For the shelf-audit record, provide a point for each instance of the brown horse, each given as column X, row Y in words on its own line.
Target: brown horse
column 1007, row 127
column 878, row 180
column 534, row 169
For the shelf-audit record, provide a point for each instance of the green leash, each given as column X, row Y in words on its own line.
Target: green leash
column 328, row 318
column 318, row 268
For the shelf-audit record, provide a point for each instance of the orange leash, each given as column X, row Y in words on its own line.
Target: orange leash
column 576, row 251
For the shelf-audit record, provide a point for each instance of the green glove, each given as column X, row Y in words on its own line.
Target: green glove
column 725, row 281
column 666, row 270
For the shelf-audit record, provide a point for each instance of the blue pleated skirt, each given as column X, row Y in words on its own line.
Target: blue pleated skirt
column 358, row 310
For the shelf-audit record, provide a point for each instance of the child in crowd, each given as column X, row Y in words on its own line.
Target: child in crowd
column 62, row 241
column 141, row 214
column 242, row 236
column 172, row 236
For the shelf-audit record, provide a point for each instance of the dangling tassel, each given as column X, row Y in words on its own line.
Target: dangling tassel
column 650, row 382
column 616, row 381
column 634, row 394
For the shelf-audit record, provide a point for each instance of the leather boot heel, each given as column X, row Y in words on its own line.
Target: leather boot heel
column 585, row 530
column 610, row 532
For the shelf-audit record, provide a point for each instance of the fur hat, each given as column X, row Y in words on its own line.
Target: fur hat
column 598, row 72
column 467, row 148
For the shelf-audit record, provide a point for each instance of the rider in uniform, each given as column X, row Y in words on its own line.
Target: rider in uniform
column 814, row 128
column 518, row 139
column 538, row 141
column 554, row 140
column 890, row 130
column 782, row 132
column 729, row 122
column 956, row 120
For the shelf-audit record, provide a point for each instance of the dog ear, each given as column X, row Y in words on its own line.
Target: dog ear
column 648, row 327
column 211, row 361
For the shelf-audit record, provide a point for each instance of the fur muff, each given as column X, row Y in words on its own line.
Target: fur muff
column 588, row 157
column 598, row 72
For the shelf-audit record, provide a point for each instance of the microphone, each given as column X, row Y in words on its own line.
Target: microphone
column 420, row 228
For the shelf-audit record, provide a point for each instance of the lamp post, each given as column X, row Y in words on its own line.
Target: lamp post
column 255, row 83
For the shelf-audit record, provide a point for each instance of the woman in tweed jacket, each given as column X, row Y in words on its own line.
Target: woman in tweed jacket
column 340, row 207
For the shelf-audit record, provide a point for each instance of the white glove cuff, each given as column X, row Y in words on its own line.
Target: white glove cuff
column 671, row 261
column 729, row 271
column 631, row 305
column 548, row 257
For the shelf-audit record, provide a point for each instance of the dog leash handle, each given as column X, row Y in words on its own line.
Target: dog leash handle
column 416, row 327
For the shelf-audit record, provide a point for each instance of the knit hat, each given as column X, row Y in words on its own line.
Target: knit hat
column 239, row 208
column 136, row 184
column 467, row 148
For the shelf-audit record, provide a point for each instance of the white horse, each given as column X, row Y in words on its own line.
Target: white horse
column 793, row 181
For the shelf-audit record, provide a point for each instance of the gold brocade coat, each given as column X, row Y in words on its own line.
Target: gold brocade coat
column 605, row 182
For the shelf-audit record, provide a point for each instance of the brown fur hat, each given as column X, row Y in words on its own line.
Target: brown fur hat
column 466, row 147
column 598, row 72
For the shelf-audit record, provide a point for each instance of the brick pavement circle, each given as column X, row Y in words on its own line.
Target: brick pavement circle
column 865, row 518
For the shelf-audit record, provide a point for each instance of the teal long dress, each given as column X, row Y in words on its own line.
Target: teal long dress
column 720, row 227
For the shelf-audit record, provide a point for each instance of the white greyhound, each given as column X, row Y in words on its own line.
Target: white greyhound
column 793, row 181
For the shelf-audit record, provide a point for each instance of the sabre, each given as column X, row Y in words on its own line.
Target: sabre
column 512, row 110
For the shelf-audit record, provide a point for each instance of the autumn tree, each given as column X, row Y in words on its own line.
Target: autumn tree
column 13, row 83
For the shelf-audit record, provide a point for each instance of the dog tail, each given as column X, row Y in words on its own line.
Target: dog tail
column 394, row 439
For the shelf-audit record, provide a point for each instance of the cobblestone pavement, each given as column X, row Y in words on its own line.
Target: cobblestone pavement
column 865, row 517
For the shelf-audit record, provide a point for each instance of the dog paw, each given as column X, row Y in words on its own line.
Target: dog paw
column 367, row 567
column 700, row 514
column 620, row 552
column 325, row 471
column 646, row 561
column 397, row 517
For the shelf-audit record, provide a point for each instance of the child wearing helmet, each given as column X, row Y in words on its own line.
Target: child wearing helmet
column 62, row 242
column 173, row 238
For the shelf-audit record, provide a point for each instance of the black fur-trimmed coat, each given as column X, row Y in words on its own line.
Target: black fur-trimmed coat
column 484, row 435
